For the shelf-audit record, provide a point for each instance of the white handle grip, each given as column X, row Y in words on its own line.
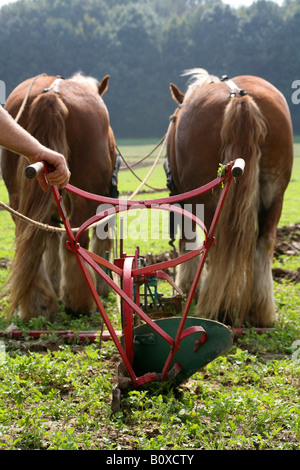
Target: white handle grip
column 33, row 170
column 238, row 167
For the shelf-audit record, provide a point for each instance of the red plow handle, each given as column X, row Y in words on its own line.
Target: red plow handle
column 233, row 169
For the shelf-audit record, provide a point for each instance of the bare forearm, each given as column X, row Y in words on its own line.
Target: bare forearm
column 18, row 140
column 15, row 138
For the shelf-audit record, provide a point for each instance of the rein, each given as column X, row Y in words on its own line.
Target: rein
column 129, row 167
column 163, row 142
column 40, row 225
column 142, row 159
column 20, row 112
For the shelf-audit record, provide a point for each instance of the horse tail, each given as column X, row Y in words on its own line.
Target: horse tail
column 226, row 295
column 46, row 122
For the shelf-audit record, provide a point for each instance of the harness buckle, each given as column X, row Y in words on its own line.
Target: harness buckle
column 234, row 89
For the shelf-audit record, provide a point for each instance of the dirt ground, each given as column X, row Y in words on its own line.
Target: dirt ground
column 287, row 243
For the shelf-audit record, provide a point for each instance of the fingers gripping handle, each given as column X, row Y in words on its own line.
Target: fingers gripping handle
column 35, row 169
column 238, row 167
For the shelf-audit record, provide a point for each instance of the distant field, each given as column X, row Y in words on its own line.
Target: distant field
column 291, row 206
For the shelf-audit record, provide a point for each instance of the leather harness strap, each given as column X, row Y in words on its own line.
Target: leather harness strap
column 234, row 89
column 54, row 86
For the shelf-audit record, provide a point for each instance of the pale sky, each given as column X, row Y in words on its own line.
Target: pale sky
column 5, row 2
column 233, row 3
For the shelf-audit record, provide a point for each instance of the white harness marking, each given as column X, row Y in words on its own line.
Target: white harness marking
column 234, row 89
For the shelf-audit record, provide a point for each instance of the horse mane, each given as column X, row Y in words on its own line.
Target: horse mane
column 90, row 82
column 198, row 78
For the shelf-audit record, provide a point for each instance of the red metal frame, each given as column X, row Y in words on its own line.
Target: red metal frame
column 127, row 266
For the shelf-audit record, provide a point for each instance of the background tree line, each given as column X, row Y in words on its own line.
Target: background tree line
column 146, row 44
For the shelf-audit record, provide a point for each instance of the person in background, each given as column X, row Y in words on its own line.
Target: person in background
column 13, row 137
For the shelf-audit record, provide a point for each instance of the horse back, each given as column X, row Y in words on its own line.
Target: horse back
column 90, row 138
column 194, row 145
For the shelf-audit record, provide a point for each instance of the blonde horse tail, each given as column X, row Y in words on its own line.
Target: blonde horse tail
column 47, row 117
column 226, row 292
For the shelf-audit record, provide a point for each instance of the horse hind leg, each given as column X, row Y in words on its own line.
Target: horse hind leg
column 41, row 299
column 52, row 261
column 263, row 310
column 30, row 290
column 101, row 247
column 47, row 282
column 75, row 293
column 186, row 271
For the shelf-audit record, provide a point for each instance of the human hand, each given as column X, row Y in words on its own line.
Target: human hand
column 61, row 174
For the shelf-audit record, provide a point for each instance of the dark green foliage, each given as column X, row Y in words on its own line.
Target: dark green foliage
column 146, row 44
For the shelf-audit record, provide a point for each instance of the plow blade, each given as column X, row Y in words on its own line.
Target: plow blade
column 205, row 341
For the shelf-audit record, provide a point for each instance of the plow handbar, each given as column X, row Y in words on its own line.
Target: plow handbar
column 200, row 266
column 148, row 202
column 232, row 169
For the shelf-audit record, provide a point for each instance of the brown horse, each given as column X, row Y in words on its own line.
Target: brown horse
column 68, row 116
column 216, row 122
